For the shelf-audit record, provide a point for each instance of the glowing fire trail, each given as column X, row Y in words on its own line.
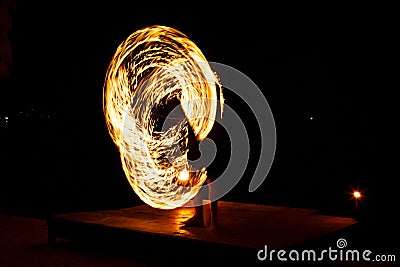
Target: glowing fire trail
column 151, row 65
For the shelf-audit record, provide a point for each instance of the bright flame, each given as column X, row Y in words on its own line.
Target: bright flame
column 184, row 175
column 356, row 194
column 153, row 64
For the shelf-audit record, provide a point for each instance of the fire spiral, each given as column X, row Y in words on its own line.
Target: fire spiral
column 152, row 66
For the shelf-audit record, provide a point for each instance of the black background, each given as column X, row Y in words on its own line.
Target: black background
column 327, row 63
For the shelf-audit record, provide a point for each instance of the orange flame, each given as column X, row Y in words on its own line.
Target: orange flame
column 151, row 64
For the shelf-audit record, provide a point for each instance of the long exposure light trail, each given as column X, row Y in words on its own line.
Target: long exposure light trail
column 152, row 66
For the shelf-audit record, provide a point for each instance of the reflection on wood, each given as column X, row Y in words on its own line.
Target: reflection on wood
column 240, row 225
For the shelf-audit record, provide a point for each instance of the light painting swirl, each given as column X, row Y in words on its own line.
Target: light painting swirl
column 151, row 67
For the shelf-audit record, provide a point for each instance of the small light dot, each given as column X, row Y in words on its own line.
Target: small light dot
column 356, row 194
column 184, row 175
column 311, row 118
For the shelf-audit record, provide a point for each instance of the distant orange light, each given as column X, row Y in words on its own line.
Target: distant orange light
column 184, row 175
column 356, row 194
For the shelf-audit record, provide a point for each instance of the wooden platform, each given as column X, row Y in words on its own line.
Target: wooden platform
column 246, row 226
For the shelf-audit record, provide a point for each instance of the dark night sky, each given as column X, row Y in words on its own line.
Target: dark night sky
column 326, row 65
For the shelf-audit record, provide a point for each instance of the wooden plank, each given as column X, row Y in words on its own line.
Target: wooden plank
column 240, row 225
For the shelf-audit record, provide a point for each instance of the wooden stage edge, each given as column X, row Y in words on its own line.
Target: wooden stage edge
column 241, row 226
